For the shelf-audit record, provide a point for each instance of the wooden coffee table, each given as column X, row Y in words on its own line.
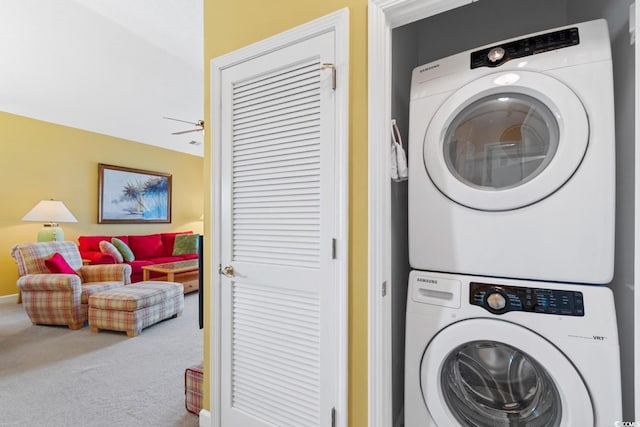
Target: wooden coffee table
column 185, row 272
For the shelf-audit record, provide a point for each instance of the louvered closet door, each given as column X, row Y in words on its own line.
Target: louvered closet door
column 278, row 310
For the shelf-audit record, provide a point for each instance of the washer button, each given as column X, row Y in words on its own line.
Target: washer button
column 496, row 301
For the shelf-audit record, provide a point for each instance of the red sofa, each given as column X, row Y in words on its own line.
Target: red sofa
column 147, row 249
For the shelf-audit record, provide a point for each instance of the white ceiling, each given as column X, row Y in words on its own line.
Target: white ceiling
column 114, row 67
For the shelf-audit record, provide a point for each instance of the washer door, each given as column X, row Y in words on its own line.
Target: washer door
column 506, row 140
column 483, row 372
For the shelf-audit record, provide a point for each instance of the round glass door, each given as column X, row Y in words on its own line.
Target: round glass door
column 501, row 141
column 493, row 373
column 506, row 140
column 489, row 383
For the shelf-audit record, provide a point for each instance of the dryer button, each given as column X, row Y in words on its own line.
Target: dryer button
column 496, row 54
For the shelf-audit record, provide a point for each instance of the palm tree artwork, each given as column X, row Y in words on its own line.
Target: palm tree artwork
column 131, row 195
column 147, row 199
column 135, row 193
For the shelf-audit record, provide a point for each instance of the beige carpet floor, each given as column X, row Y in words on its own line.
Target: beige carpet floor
column 52, row 376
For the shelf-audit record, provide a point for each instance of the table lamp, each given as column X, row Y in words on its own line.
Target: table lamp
column 51, row 212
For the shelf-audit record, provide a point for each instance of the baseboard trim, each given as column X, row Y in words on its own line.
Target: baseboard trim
column 204, row 418
column 14, row 296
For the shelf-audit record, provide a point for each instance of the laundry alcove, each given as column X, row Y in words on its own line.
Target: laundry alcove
column 470, row 26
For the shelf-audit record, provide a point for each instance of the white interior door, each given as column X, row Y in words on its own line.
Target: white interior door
column 282, row 238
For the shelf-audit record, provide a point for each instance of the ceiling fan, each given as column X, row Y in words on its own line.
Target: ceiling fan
column 199, row 126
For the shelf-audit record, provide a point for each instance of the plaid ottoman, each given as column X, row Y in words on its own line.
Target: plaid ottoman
column 134, row 307
column 193, row 389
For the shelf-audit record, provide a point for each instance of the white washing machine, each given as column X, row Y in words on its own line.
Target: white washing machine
column 496, row 352
column 511, row 159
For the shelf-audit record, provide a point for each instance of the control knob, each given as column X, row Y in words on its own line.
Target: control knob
column 496, row 54
column 496, row 301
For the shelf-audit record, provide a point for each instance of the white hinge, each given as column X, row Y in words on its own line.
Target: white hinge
column 384, row 288
column 333, row 417
column 333, row 73
column 334, row 249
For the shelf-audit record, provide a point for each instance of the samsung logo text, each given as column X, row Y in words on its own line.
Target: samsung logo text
column 430, row 67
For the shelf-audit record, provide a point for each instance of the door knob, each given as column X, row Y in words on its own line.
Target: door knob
column 227, row 271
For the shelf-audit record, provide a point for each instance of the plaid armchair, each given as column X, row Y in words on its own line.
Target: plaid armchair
column 62, row 299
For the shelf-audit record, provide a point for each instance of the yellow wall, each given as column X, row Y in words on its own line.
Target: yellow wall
column 40, row 160
column 230, row 25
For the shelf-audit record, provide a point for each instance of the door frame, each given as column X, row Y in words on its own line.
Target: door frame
column 337, row 22
column 635, row 15
column 383, row 17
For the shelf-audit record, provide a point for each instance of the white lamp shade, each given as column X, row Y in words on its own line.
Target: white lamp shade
column 50, row 211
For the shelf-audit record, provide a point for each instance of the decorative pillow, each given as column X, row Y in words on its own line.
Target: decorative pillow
column 122, row 247
column 91, row 243
column 58, row 265
column 185, row 244
column 147, row 246
column 168, row 240
column 108, row 248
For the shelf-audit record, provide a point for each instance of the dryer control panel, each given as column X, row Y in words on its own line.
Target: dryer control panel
column 500, row 299
column 497, row 55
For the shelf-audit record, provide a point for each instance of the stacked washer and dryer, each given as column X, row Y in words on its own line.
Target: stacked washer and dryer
column 511, row 235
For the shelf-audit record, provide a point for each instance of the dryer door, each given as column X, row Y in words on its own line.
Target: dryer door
column 506, row 140
column 485, row 372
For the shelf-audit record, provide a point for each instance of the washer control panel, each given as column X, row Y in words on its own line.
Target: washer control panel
column 500, row 299
column 495, row 56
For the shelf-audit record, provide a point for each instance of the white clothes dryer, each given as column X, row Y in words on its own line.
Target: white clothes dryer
column 512, row 159
column 497, row 352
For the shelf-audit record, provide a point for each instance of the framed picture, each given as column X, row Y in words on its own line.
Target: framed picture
column 133, row 196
